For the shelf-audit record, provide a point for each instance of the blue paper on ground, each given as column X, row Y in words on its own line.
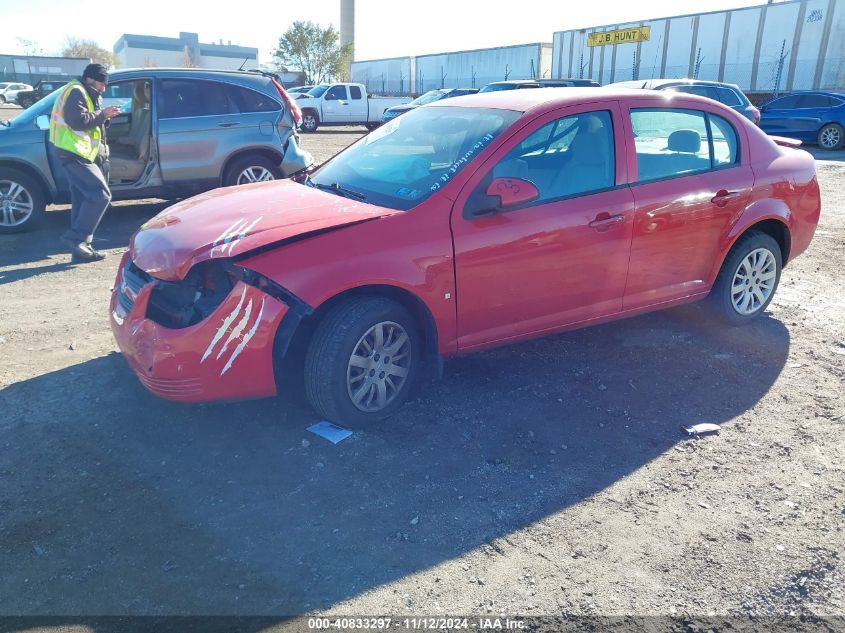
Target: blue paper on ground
column 332, row 432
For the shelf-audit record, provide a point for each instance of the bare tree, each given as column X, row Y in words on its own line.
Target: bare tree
column 30, row 47
column 77, row 47
column 149, row 62
column 188, row 60
column 315, row 51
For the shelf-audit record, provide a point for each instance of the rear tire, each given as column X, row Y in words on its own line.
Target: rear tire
column 373, row 126
column 22, row 201
column 831, row 136
column 350, row 376
column 310, row 121
column 748, row 279
column 249, row 169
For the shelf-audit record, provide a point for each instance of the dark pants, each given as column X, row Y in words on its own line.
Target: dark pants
column 89, row 198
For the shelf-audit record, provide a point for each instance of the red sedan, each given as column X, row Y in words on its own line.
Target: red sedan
column 462, row 225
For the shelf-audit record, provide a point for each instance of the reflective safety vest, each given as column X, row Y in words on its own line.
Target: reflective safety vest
column 85, row 143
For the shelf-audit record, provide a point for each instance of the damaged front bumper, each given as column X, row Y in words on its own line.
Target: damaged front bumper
column 227, row 355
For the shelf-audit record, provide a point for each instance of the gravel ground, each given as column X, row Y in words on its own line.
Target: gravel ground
column 550, row 477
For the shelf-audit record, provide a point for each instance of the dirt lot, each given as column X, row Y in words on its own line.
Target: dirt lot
column 550, row 477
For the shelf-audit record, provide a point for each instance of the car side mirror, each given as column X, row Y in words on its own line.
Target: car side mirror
column 42, row 122
column 512, row 192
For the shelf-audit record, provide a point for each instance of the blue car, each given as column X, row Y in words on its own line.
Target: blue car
column 429, row 97
column 814, row 117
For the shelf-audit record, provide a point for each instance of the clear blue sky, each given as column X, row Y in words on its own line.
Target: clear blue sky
column 383, row 28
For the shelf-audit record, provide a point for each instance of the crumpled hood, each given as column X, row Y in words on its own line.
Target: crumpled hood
column 230, row 221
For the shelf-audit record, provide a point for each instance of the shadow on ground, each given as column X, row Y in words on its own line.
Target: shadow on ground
column 118, row 225
column 114, row 502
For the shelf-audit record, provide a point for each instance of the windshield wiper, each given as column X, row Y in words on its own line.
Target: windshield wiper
column 337, row 189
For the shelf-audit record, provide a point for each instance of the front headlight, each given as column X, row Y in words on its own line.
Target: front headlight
column 181, row 304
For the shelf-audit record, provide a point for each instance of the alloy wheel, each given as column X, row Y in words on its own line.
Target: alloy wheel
column 830, row 137
column 254, row 174
column 16, row 203
column 754, row 281
column 379, row 366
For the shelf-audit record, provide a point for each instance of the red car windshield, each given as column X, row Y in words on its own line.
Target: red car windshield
column 405, row 161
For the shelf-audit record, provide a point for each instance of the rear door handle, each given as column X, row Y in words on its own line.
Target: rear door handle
column 604, row 221
column 723, row 196
column 227, row 124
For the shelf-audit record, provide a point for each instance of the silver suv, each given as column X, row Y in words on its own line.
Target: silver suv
column 181, row 132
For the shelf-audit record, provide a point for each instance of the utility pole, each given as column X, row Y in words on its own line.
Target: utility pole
column 472, row 71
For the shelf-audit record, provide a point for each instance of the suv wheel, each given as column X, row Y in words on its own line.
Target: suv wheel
column 253, row 168
column 22, row 201
column 2, row 99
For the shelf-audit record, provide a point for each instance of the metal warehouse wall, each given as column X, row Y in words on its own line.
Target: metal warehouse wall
column 385, row 76
column 477, row 68
column 29, row 69
column 793, row 45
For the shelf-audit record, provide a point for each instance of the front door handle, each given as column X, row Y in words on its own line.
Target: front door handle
column 723, row 196
column 227, row 124
column 604, row 221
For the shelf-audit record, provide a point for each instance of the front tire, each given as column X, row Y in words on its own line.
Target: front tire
column 22, row 201
column 831, row 136
column 2, row 99
column 748, row 279
column 249, row 169
column 363, row 361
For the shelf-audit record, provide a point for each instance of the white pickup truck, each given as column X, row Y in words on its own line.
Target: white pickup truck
column 343, row 104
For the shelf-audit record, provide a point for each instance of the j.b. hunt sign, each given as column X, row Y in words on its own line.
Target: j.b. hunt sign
column 621, row 36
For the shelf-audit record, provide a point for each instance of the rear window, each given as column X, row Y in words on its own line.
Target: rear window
column 248, row 100
column 355, row 92
column 815, row 101
column 192, row 97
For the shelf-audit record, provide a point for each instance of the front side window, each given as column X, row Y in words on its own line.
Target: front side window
column 784, row 103
column 336, row 93
column 405, row 161
column 571, row 156
column 676, row 142
column 191, row 97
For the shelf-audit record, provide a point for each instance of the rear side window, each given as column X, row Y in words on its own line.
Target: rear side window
column 725, row 144
column 701, row 91
column 676, row 142
column 248, row 100
column 727, row 96
column 191, row 97
column 355, row 92
column 814, row 101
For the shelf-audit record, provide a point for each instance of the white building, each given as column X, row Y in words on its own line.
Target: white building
column 792, row 45
column 138, row 51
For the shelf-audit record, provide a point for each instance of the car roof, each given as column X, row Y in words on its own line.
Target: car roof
column 656, row 84
column 552, row 98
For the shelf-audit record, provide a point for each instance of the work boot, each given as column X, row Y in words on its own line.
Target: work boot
column 82, row 253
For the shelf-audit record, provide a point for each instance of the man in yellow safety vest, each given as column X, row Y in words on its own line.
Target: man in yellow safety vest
column 77, row 130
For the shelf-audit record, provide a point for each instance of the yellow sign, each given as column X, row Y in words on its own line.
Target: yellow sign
column 622, row 36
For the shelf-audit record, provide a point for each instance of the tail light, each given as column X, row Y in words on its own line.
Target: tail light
column 297, row 113
column 756, row 114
